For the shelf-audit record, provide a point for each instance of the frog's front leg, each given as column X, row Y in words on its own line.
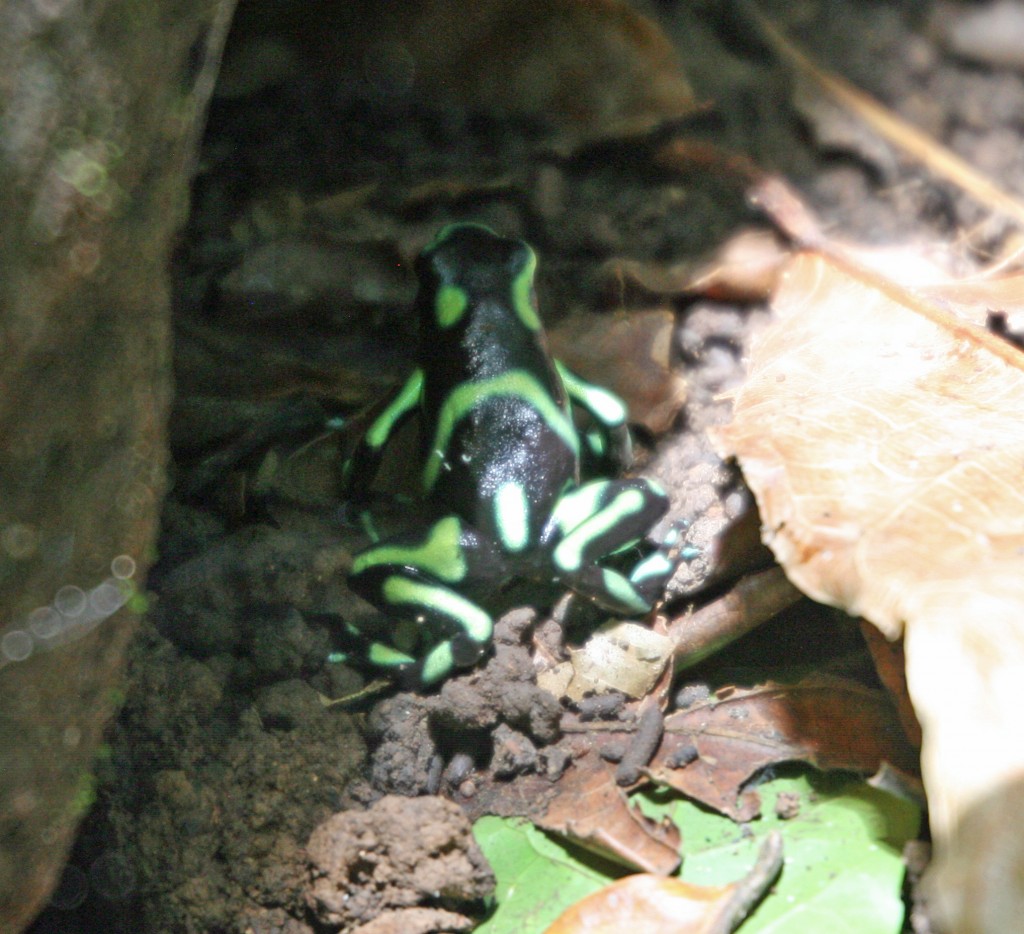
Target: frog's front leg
column 604, row 517
column 608, row 442
column 362, row 465
column 421, row 580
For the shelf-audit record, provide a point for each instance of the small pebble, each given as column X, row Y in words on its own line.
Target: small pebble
column 601, row 706
column 682, row 757
column 459, row 769
column 554, row 761
column 434, row 771
column 613, row 751
column 692, row 694
column 787, row 805
column 992, row 34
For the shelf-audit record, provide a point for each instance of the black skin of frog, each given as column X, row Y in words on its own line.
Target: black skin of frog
column 501, row 470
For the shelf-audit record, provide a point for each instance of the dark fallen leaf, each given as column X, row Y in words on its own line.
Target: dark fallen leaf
column 593, row 811
column 829, row 722
column 891, row 665
column 588, row 68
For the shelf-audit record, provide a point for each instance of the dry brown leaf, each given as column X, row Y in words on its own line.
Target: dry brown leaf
column 596, row 66
column 882, row 437
column 744, row 268
column 833, row 723
column 655, row 905
column 891, row 666
column 593, row 811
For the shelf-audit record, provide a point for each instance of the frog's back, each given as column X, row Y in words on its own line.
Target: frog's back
column 499, row 443
column 504, row 463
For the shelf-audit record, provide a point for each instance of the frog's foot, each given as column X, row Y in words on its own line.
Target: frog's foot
column 410, row 672
column 608, row 517
column 436, row 630
column 418, row 579
column 651, row 575
column 623, row 595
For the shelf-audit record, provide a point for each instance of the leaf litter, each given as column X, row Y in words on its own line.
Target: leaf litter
column 879, row 429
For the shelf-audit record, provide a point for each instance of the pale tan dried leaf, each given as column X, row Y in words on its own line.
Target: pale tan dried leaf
column 622, row 657
column 885, row 449
column 883, row 439
column 646, row 903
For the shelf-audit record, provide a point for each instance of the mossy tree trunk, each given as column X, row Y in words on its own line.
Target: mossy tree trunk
column 100, row 112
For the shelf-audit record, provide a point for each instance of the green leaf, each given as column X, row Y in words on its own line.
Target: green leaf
column 843, row 869
column 537, row 878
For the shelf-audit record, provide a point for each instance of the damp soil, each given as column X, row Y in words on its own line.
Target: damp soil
column 237, row 781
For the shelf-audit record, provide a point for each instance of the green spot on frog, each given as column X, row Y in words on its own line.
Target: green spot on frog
column 451, row 303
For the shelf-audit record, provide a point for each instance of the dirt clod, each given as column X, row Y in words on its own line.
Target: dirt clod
column 401, row 854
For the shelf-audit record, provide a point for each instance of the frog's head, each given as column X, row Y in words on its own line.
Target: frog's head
column 469, row 271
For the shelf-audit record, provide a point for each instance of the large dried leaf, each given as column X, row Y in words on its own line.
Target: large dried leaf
column 833, row 723
column 882, row 437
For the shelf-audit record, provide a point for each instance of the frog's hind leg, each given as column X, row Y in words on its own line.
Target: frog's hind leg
column 419, row 580
column 605, row 517
column 423, row 609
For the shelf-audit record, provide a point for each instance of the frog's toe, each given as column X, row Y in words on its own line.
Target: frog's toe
column 674, row 545
column 652, row 574
column 460, row 651
column 466, row 651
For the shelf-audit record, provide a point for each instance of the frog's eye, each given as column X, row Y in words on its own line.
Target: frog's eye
column 456, row 254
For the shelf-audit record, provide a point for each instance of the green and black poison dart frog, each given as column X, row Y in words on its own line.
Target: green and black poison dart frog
column 501, row 468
